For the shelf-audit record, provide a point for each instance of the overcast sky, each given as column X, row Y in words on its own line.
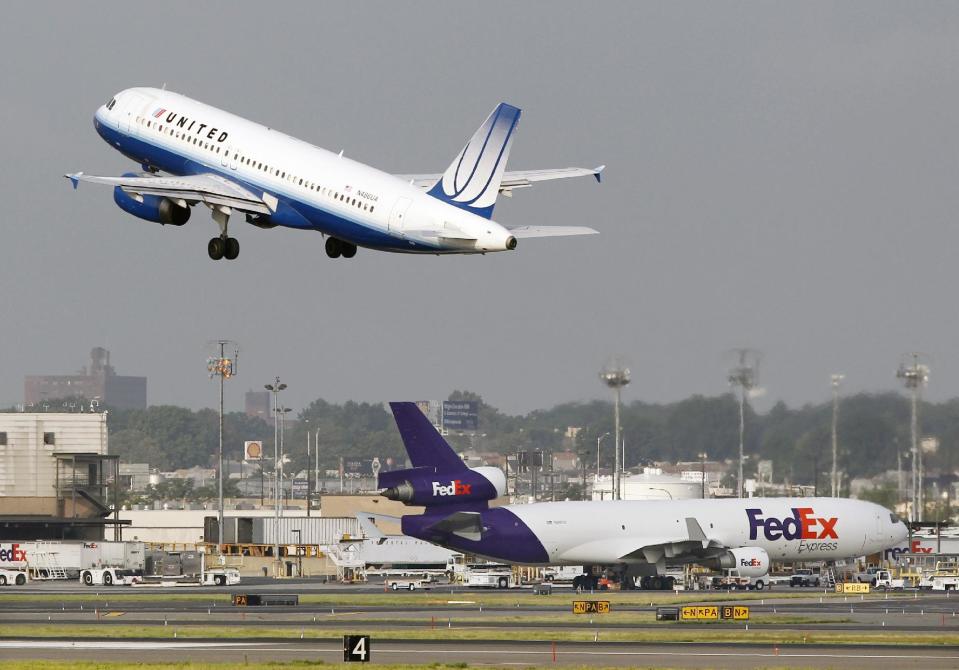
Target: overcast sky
column 780, row 176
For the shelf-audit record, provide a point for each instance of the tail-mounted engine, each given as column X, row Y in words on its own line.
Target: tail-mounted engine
column 428, row 487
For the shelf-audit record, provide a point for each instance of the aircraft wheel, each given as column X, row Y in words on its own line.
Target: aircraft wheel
column 231, row 249
column 577, row 582
column 216, row 248
column 347, row 250
column 333, row 247
column 669, row 583
column 644, row 583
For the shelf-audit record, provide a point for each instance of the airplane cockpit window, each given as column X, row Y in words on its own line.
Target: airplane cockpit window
column 112, row 102
column 894, row 518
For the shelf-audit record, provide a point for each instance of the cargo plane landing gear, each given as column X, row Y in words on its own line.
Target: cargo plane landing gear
column 336, row 248
column 223, row 246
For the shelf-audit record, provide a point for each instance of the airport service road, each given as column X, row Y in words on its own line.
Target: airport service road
column 734, row 657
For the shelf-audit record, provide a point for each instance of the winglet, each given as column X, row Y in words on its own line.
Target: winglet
column 598, row 173
column 74, row 179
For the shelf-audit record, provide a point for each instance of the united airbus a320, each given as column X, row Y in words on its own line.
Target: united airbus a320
column 238, row 167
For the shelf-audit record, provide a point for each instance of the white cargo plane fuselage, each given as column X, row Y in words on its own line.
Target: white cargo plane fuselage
column 233, row 165
column 638, row 537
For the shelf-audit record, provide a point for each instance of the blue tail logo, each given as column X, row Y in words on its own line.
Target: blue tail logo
column 472, row 180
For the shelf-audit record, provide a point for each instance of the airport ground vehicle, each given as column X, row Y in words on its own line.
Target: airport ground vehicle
column 409, row 584
column 17, row 577
column 109, row 577
column 562, row 573
column 883, row 579
column 867, row 576
column 492, row 580
column 220, row 577
column 804, row 577
column 732, row 580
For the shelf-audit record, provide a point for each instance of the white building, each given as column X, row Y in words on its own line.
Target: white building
column 652, row 484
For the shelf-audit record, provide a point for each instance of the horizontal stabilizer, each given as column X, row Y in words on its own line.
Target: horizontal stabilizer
column 551, row 231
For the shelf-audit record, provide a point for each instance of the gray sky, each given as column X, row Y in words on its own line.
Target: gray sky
column 780, row 176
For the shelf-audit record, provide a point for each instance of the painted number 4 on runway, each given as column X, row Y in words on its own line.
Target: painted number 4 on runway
column 356, row 648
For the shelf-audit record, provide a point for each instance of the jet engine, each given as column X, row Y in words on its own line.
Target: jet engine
column 749, row 561
column 151, row 208
column 428, row 487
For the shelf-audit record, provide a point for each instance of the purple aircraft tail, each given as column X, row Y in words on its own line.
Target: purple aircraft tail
column 424, row 445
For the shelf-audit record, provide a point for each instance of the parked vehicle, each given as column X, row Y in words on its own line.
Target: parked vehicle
column 18, row 577
column 804, row 577
column 397, row 584
column 492, row 580
column 109, row 577
column 221, row 577
column 562, row 573
column 883, row 579
column 867, row 576
column 733, row 581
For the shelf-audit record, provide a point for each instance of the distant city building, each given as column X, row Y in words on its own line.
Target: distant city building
column 258, row 404
column 100, row 385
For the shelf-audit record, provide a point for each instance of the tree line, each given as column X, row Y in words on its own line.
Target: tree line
column 873, row 429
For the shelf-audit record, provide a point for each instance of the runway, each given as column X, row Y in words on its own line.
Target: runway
column 787, row 628
column 484, row 653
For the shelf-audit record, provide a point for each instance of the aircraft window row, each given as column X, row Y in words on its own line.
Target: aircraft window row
column 258, row 165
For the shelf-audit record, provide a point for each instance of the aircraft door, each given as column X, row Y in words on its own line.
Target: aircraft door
column 398, row 214
column 233, row 152
column 225, row 156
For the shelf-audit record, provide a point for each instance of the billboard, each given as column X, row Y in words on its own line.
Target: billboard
column 460, row 414
column 300, row 488
column 253, row 450
column 358, row 466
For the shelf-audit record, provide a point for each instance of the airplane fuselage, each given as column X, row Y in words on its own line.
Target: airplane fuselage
column 615, row 532
column 304, row 186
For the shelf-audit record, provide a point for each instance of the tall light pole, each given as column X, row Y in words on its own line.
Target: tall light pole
column 275, row 389
column 316, row 456
column 224, row 368
column 616, row 376
column 745, row 375
column 308, row 468
column 914, row 377
column 598, row 440
column 702, row 465
column 836, row 380
column 283, row 411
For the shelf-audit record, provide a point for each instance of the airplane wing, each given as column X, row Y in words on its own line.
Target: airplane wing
column 513, row 178
column 207, row 188
column 694, row 545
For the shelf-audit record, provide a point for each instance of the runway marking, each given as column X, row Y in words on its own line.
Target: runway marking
column 108, row 645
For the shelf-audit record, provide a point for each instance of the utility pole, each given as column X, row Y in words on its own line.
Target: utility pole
column 745, row 376
column 275, row 389
column 308, row 468
column 914, row 377
column 836, row 380
column 702, row 465
column 224, row 368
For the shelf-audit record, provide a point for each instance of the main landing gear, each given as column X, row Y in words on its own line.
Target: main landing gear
column 223, row 246
column 336, row 248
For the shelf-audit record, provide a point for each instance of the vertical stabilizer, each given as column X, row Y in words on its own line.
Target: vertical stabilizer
column 472, row 180
column 424, row 445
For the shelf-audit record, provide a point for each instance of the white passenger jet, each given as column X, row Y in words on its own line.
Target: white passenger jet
column 634, row 538
column 232, row 165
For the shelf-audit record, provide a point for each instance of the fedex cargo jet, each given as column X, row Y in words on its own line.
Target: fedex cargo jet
column 632, row 538
column 236, row 166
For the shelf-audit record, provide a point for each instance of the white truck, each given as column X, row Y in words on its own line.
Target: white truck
column 220, row 577
column 18, row 577
column 109, row 577
column 731, row 580
column 490, row 580
column 562, row 573
column 398, row 583
column 883, row 579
